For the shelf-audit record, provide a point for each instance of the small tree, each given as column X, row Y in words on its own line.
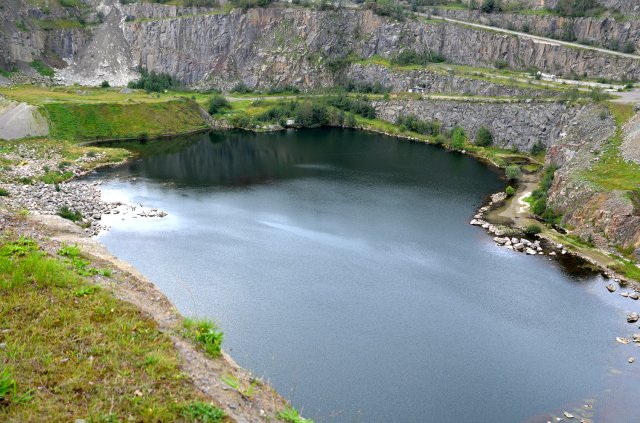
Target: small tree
column 513, row 172
column 484, row 138
column 510, row 191
column 458, row 138
column 217, row 104
column 491, row 6
column 105, row 84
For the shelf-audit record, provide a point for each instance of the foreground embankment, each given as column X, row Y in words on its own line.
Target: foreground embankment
column 86, row 336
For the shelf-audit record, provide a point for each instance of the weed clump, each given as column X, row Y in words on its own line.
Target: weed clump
column 205, row 333
column 66, row 213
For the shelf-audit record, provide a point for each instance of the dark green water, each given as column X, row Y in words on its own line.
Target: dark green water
column 342, row 268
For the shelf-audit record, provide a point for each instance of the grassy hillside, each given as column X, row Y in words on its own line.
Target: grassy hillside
column 72, row 121
column 71, row 350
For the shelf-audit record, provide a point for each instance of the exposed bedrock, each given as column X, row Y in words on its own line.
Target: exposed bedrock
column 271, row 46
column 441, row 81
column 608, row 217
column 625, row 6
column 607, row 32
column 519, row 124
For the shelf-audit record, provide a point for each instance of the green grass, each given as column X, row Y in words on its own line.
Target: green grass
column 291, row 415
column 506, row 77
column 38, row 95
column 70, row 121
column 52, row 24
column 202, row 412
column 42, row 68
column 75, row 352
column 612, row 172
column 626, row 267
column 54, row 177
column 206, row 334
column 66, row 213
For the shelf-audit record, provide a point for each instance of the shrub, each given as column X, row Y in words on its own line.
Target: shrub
column 513, row 172
column 411, row 57
column 484, row 138
column 629, row 47
column 439, row 139
column 154, row 82
column 248, row 4
column 336, row 64
column 389, row 8
column 491, row 6
column 501, row 64
column 365, row 87
column 538, row 148
column 532, row 230
column 241, row 88
column 66, row 213
column 217, row 104
column 201, row 3
column 598, row 95
column 510, row 191
column 577, row 8
column 539, row 195
column 414, row 124
column 206, row 333
column 458, row 138
column 4, row 192
column 286, row 89
column 105, row 84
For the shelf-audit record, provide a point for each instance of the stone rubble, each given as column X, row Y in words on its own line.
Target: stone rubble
column 26, row 191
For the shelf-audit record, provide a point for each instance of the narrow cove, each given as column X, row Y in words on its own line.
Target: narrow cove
column 341, row 267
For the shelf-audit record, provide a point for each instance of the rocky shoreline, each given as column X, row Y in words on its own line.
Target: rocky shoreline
column 31, row 185
column 507, row 237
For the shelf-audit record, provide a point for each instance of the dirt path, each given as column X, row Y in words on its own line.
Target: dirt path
column 516, row 213
column 130, row 285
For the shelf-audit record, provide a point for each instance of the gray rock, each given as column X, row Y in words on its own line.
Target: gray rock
column 632, row 317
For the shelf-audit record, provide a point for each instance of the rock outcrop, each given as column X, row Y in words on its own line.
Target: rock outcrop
column 514, row 124
column 608, row 32
column 20, row 120
column 266, row 46
column 607, row 217
column 441, row 81
column 272, row 46
column 624, row 6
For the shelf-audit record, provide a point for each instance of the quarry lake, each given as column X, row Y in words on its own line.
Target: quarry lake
column 341, row 267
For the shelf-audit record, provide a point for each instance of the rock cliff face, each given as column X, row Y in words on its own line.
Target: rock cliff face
column 608, row 217
column 272, row 46
column 29, row 32
column 441, row 81
column 518, row 124
column 606, row 32
column 624, row 6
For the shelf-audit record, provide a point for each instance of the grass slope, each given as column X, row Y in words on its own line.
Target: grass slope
column 72, row 121
column 71, row 350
